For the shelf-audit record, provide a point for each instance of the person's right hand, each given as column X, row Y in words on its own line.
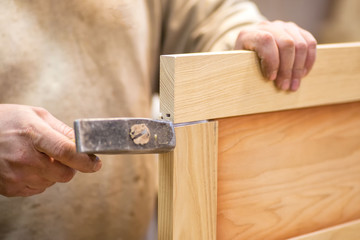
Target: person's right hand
column 286, row 51
column 36, row 151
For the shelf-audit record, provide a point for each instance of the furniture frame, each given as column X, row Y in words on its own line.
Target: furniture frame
column 252, row 162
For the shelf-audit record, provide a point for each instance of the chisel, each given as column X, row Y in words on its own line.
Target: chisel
column 124, row 135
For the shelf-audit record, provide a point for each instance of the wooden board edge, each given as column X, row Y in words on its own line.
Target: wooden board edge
column 346, row 231
column 167, row 87
column 165, row 196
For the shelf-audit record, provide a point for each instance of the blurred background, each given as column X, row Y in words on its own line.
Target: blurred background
column 330, row 21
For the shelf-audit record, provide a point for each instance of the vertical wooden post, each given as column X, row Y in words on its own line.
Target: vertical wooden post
column 187, row 185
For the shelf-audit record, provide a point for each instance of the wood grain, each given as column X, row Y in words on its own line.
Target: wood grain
column 347, row 231
column 215, row 85
column 187, row 185
column 288, row 173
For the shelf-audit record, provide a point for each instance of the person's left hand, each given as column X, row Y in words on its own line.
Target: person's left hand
column 286, row 51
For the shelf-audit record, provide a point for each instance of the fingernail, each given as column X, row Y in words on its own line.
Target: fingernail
column 97, row 166
column 97, row 162
column 295, row 84
column 273, row 76
column 94, row 157
column 285, row 84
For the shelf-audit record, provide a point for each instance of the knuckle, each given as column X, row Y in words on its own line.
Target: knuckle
column 243, row 34
column 264, row 23
column 66, row 130
column 30, row 133
column 265, row 38
column 301, row 47
column 312, row 43
column 285, row 73
column 27, row 131
column 21, row 157
column 286, row 42
column 278, row 22
column 40, row 111
column 297, row 72
column 310, row 39
column 292, row 24
column 24, row 158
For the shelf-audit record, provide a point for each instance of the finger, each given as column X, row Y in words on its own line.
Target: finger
column 287, row 57
column 58, row 125
column 54, row 170
column 59, row 172
column 24, row 191
column 39, row 183
column 300, row 55
column 286, row 47
column 59, row 147
column 35, row 181
column 263, row 43
column 311, row 52
column 55, row 123
column 27, row 192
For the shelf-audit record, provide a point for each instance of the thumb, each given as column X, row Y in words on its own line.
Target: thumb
column 54, row 123
column 58, row 146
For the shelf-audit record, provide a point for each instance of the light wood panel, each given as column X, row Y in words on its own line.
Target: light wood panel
column 288, row 173
column 347, row 231
column 214, row 85
column 187, row 185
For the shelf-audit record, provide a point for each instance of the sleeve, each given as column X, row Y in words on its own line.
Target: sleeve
column 204, row 25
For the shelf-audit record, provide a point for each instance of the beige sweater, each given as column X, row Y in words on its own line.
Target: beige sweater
column 93, row 58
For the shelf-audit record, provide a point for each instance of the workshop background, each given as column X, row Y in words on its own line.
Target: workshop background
column 330, row 21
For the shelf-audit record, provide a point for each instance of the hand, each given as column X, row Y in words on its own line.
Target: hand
column 36, row 151
column 286, row 51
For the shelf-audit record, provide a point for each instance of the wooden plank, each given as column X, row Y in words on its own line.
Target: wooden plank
column 215, row 85
column 187, row 185
column 288, row 173
column 347, row 231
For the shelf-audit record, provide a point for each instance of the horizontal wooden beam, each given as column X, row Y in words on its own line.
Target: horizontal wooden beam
column 216, row 85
